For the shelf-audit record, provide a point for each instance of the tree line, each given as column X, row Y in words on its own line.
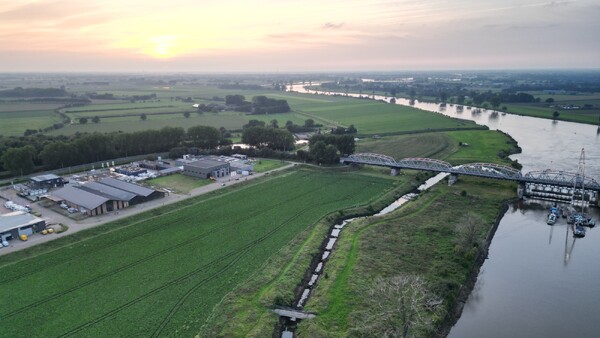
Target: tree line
column 259, row 104
column 21, row 156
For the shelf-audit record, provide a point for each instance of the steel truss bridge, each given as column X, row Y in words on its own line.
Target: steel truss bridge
column 487, row 170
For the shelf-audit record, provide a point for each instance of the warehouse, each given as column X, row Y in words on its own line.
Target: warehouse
column 206, row 168
column 142, row 194
column 120, row 198
column 84, row 201
column 15, row 224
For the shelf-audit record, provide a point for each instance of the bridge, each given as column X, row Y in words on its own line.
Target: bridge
column 487, row 170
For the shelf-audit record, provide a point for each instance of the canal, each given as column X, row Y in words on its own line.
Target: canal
column 538, row 281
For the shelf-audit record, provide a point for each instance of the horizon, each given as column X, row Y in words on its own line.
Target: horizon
column 59, row 36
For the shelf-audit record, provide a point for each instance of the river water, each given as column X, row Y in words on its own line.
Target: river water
column 538, row 281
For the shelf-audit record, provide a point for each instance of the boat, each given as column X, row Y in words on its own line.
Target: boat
column 551, row 219
column 578, row 230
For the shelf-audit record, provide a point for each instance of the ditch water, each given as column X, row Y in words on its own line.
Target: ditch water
column 538, row 281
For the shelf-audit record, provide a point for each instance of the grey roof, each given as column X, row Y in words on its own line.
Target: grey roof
column 108, row 191
column 16, row 219
column 207, row 164
column 134, row 188
column 46, row 177
column 170, row 170
column 80, row 197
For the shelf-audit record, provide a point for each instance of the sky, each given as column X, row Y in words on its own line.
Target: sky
column 297, row 35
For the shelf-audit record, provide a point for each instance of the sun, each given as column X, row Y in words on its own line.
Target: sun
column 164, row 46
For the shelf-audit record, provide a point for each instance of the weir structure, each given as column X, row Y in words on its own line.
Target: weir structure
column 550, row 184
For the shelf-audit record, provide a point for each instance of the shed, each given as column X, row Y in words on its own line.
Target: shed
column 46, row 181
column 15, row 224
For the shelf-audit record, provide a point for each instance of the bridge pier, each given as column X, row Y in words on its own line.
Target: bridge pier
column 452, row 178
column 521, row 190
column 395, row 172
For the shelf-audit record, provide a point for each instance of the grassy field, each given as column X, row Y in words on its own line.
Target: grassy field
column 417, row 239
column 370, row 117
column 484, row 146
column 178, row 183
column 262, row 165
column 544, row 111
column 163, row 272
column 375, row 117
column 17, row 117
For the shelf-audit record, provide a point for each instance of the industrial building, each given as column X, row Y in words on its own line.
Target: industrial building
column 120, row 198
column 82, row 200
column 46, row 181
column 206, row 168
column 142, row 194
column 96, row 198
column 15, row 224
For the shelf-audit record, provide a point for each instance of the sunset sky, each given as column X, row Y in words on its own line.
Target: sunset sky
column 294, row 35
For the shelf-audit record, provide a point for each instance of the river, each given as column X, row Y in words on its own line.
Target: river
column 538, row 281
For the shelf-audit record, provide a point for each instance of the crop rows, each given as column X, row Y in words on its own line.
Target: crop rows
column 167, row 272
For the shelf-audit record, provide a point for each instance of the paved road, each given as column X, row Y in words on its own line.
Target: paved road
column 53, row 217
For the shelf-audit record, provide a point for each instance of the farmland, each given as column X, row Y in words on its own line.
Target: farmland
column 167, row 108
column 163, row 271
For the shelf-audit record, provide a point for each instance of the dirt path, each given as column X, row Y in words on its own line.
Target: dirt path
column 53, row 217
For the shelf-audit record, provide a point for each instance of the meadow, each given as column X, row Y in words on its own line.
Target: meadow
column 418, row 239
column 162, row 272
column 483, row 146
column 370, row 117
column 17, row 117
column 178, row 183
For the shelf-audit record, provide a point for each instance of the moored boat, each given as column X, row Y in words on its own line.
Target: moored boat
column 551, row 219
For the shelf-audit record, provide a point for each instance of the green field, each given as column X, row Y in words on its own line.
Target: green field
column 370, row 117
column 418, row 239
column 483, row 146
column 163, row 272
column 178, row 183
column 262, row 165
column 16, row 117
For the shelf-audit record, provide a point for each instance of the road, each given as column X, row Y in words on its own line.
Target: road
column 53, row 217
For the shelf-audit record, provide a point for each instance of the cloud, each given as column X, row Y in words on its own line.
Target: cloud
column 331, row 25
column 552, row 4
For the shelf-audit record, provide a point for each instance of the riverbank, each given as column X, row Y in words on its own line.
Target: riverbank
column 419, row 239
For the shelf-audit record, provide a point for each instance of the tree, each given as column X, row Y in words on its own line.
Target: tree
column 186, row 114
column 443, row 96
column 143, row 117
column 549, row 100
column 237, row 100
column 555, row 115
column 274, row 124
column 495, row 101
column 204, row 137
column 467, row 233
column 324, row 153
column 96, row 119
column 308, row 123
column 254, row 123
column 19, row 161
column 83, row 120
column 397, row 306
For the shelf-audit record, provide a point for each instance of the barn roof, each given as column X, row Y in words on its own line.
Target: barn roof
column 108, row 191
column 80, row 197
column 130, row 187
